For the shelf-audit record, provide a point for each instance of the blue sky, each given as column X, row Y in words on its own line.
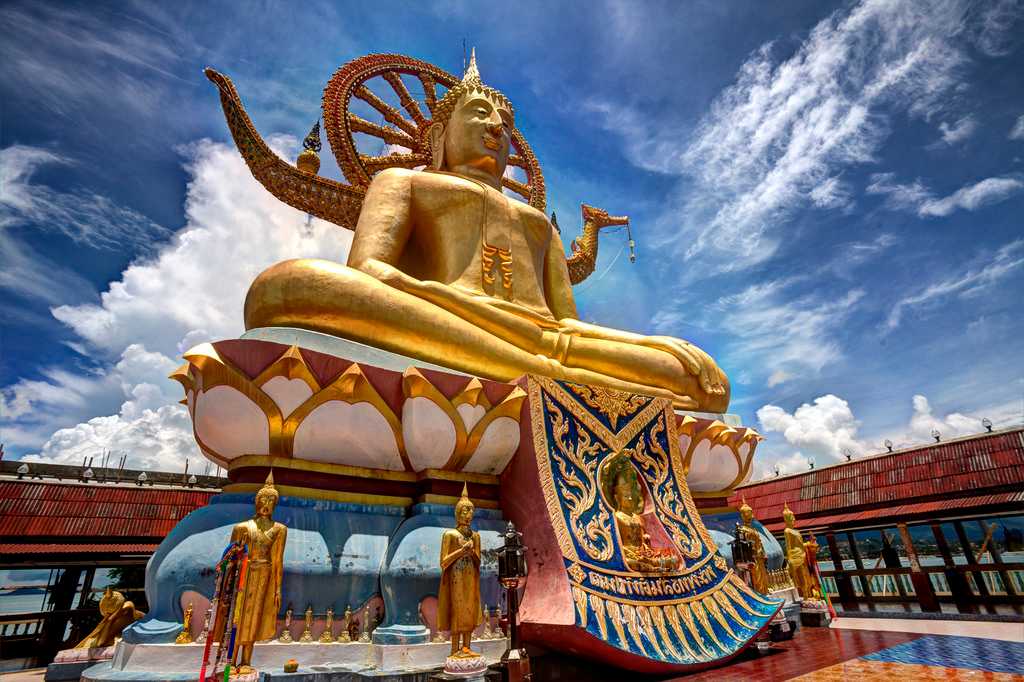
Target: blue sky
column 827, row 197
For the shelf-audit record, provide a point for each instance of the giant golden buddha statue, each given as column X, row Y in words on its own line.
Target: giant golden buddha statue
column 444, row 266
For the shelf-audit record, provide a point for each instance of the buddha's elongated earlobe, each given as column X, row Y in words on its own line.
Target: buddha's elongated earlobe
column 437, row 146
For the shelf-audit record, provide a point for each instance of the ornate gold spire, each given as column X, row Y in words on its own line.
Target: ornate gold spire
column 309, row 159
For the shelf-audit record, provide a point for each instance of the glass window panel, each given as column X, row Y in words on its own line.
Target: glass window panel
column 924, row 544
column 1008, row 537
column 23, row 590
column 844, row 552
column 953, row 541
column 869, row 546
column 823, row 551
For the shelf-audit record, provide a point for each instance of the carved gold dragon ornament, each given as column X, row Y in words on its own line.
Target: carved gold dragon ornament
column 407, row 127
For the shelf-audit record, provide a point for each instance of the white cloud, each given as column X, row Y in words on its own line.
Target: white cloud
column 918, row 198
column 783, row 336
column 62, row 76
column 777, row 139
column 994, row 32
column 192, row 290
column 958, row 131
column 971, row 282
column 825, row 428
column 822, row 430
column 88, row 219
column 954, row 424
column 1017, row 132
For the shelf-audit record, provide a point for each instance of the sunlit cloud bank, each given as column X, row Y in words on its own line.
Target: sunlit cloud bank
column 191, row 290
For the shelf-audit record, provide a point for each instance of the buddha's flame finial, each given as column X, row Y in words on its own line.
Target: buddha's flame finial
column 464, row 501
column 472, row 75
column 268, row 487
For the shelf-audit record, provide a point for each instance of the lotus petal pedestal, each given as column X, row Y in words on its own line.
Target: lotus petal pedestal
column 370, row 451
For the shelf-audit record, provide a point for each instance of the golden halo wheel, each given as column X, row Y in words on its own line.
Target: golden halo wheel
column 375, row 78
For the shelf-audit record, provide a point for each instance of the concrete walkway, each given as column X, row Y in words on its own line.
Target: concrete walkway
column 1008, row 632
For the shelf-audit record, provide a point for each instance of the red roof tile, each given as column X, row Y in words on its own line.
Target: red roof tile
column 76, row 548
column 48, row 510
column 992, row 463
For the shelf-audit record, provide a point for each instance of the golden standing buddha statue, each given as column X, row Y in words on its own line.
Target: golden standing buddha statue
column 445, row 268
column 458, row 600
column 260, row 602
column 627, row 499
column 759, row 567
column 796, row 557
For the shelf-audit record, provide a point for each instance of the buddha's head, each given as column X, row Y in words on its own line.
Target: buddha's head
column 625, row 495
column 464, row 508
column 788, row 516
column 746, row 513
column 472, row 129
column 266, row 498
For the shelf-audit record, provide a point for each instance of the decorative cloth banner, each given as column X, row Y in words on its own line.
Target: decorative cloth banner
column 645, row 577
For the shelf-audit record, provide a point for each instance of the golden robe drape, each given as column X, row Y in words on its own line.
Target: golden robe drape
column 260, row 600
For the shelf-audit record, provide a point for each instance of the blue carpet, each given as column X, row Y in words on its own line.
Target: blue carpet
column 957, row 652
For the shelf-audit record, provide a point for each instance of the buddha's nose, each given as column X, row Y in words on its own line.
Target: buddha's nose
column 495, row 128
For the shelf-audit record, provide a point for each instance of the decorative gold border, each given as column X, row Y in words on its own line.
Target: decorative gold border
column 433, row 498
column 329, row 495
column 321, row 467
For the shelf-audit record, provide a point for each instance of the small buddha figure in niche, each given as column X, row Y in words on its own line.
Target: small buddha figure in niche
column 759, row 567
column 447, row 269
column 796, row 558
column 458, row 600
column 628, row 501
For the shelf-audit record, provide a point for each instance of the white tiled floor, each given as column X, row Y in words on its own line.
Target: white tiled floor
column 1010, row 632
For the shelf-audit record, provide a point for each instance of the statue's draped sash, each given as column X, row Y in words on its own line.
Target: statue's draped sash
column 692, row 617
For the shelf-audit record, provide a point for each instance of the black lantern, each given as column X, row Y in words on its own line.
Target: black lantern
column 511, row 572
column 512, row 558
column 742, row 549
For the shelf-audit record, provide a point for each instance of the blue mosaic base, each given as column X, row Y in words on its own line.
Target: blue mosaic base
column 957, row 652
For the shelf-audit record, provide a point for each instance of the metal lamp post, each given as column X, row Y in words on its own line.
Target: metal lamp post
column 511, row 572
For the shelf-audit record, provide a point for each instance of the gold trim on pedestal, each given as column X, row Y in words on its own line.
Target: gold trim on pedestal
column 329, row 495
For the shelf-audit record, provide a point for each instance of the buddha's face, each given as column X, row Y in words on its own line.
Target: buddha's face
column 265, row 505
column 789, row 518
column 625, row 500
column 464, row 514
column 747, row 515
column 478, row 135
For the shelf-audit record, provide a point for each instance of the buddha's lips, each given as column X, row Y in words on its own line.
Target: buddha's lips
column 491, row 143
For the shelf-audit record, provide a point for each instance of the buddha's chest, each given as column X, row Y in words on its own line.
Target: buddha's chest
column 453, row 217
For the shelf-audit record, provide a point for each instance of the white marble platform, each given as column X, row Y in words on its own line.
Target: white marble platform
column 271, row 656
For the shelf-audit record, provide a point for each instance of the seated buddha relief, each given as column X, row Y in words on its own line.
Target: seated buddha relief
column 623, row 491
column 447, row 269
